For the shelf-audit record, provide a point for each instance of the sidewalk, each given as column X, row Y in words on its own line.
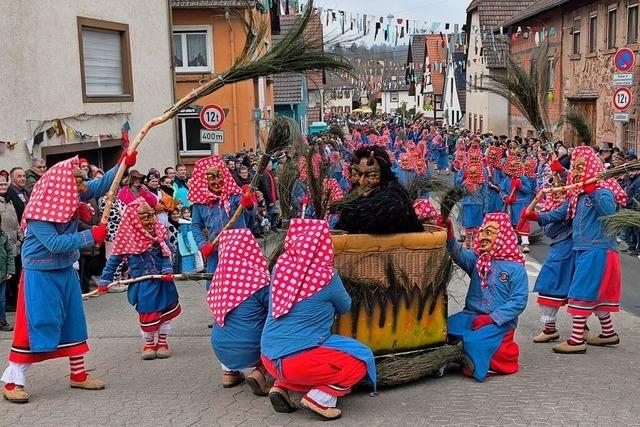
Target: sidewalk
column 598, row 388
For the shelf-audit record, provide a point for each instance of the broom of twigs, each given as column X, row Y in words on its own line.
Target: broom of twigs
column 287, row 177
column 450, row 199
column 615, row 172
column 294, row 53
column 579, row 121
column 526, row 89
column 422, row 184
column 620, row 220
column 180, row 277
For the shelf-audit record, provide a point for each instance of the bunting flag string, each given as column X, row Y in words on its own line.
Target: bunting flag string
column 59, row 130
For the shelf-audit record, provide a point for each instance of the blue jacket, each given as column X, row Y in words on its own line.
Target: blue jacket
column 524, row 195
column 588, row 230
column 633, row 192
column 307, row 325
column 478, row 197
column 505, row 296
column 54, row 246
column 213, row 218
column 147, row 296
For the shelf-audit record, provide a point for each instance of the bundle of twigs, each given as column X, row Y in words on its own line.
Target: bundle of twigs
column 620, row 220
column 294, row 53
column 401, row 368
column 526, row 89
column 181, row 277
column 422, row 184
column 450, row 200
column 287, row 174
column 282, row 133
column 579, row 121
column 319, row 194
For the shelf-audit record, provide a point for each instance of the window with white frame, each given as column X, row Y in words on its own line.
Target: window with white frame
column 612, row 27
column 105, row 61
column 632, row 23
column 189, row 135
column 552, row 73
column 193, row 49
column 593, row 32
column 576, row 37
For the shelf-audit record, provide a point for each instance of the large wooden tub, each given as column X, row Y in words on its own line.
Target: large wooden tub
column 398, row 284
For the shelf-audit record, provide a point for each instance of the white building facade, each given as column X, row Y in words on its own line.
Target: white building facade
column 76, row 72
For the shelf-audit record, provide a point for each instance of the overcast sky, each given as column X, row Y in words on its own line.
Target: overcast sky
column 451, row 11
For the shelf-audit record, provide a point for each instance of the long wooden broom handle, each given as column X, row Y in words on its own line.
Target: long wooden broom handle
column 184, row 276
column 563, row 189
column 170, row 113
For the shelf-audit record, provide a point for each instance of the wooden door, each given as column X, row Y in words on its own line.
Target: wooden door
column 589, row 110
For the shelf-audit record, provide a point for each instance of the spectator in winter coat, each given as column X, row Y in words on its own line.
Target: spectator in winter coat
column 38, row 168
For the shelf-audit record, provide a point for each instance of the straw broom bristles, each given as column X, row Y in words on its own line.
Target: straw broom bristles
column 526, row 89
column 294, row 53
column 620, row 220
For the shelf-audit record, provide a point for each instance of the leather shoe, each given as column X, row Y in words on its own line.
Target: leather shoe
column 232, row 379
column 566, row 348
column 543, row 337
column 148, row 353
column 163, row 351
column 321, row 411
column 88, row 384
column 17, row 395
column 258, row 383
column 280, row 400
column 600, row 340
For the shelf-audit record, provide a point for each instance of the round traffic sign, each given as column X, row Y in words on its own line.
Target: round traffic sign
column 622, row 98
column 212, row 116
column 624, row 60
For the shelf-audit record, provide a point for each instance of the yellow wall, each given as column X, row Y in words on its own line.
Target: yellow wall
column 241, row 99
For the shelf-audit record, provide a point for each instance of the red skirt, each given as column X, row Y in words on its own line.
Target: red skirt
column 322, row 368
column 150, row 322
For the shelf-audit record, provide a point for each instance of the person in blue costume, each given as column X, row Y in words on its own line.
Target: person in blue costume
column 493, row 160
column 187, row 246
column 473, row 177
column 596, row 282
column 50, row 320
column 517, row 191
column 441, row 148
column 141, row 239
column 215, row 197
column 298, row 348
column 239, row 300
column 497, row 296
column 554, row 279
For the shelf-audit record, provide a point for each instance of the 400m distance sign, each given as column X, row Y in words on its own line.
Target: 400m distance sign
column 212, row 117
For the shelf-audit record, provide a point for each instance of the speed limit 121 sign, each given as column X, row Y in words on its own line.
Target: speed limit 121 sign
column 212, row 116
column 622, row 98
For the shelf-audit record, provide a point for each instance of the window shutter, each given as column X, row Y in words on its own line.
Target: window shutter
column 102, row 52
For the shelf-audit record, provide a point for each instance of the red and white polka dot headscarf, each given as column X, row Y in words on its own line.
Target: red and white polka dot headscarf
column 593, row 167
column 513, row 167
column 55, row 197
column 335, row 191
column 199, row 188
column 132, row 238
column 241, row 272
column 504, row 248
column 424, row 209
column 305, row 267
